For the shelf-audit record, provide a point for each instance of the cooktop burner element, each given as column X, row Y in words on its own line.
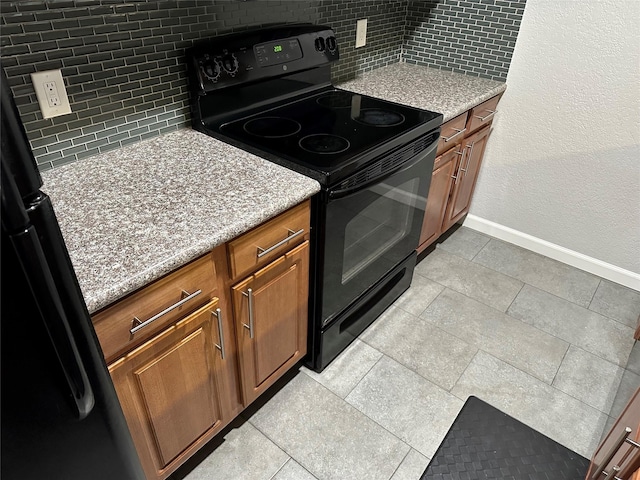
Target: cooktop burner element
column 379, row 118
column 324, row 143
column 272, row 127
column 335, row 99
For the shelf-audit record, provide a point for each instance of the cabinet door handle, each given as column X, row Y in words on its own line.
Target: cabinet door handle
column 139, row 324
column 457, row 175
column 470, row 147
column 218, row 315
column 290, row 235
column 458, row 132
column 614, row 449
column 487, row 117
column 249, row 295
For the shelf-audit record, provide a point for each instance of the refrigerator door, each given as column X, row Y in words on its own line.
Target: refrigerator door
column 60, row 416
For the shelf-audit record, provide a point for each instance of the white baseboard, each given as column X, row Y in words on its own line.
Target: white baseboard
column 551, row 250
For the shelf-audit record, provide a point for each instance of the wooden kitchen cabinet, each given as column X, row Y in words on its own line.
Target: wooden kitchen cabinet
column 180, row 351
column 460, row 151
column 270, row 313
column 630, row 417
column 465, row 176
column 177, row 389
column 441, row 180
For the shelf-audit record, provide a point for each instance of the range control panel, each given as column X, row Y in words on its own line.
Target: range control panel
column 249, row 56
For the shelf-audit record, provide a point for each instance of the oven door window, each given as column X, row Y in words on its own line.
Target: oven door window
column 379, row 226
column 368, row 232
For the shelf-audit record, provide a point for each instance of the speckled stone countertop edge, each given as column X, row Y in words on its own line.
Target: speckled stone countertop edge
column 132, row 215
column 442, row 91
column 108, row 296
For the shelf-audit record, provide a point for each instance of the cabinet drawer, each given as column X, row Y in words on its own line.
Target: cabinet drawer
column 121, row 326
column 451, row 133
column 482, row 114
column 269, row 240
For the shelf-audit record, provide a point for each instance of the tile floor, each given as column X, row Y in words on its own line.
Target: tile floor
column 547, row 343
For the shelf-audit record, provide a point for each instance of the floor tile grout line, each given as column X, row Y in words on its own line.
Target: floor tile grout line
column 561, row 362
column 582, row 401
column 556, row 389
column 520, row 280
column 564, row 340
column 545, row 383
column 423, row 310
column 594, row 295
column 354, row 407
column 400, row 464
column 370, row 368
column 514, row 299
column 463, row 372
column 462, row 338
column 283, row 465
column 382, row 426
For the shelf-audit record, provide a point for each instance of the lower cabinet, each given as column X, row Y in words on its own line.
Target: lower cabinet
column 618, row 455
column 441, row 180
column 465, row 176
column 174, row 388
column 271, row 320
column 455, row 170
column 189, row 351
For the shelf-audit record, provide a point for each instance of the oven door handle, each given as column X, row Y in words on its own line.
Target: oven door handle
column 340, row 193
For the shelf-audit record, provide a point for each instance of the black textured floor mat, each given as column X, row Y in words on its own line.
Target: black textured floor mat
column 485, row 443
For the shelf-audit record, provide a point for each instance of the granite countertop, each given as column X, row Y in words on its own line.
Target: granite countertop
column 132, row 215
column 431, row 89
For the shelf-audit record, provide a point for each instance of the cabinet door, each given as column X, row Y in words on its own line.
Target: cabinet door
column 439, row 190
column 173, row 388
column 271, row 320
column 630, row 417
column 466, row 174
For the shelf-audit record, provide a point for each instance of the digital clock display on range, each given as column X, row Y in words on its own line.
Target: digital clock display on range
column 274, row 53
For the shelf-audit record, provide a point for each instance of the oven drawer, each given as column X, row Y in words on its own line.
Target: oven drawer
column 482, row 114
column 115, row 324
column 268, row 241
column 452, row 133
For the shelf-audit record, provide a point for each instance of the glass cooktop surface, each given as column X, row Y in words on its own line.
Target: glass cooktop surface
column 327, row 130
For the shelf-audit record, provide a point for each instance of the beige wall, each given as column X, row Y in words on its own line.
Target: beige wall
column 563, row 162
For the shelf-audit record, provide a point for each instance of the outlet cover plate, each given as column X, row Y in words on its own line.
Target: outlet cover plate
column 51, row 93
column 361, row 33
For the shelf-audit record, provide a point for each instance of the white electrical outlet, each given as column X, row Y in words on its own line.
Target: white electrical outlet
column 51, row 94
column 361, row 33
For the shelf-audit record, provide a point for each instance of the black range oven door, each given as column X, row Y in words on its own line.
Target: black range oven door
column 372, row 223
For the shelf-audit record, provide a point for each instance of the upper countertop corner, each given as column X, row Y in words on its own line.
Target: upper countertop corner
column 442, row 91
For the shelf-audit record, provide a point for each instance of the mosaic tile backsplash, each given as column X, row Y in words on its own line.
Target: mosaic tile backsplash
column 122, row 60
column 471, row 37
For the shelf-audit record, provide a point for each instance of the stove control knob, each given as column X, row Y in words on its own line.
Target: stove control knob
column 320, row 44
column 210, row 69
column 230, row 63
column 332, row 45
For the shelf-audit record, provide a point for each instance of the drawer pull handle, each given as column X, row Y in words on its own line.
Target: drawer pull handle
column 218, row 315
column 470, row 147
column 486, row 117
column 457, row 175
column 139, row 324
column 290, row 235
column 249, row 295
column 458, row 132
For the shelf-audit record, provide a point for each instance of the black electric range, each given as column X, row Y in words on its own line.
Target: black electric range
column 269, row 92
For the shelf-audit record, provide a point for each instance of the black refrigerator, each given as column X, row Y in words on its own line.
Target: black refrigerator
column 60, row 417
